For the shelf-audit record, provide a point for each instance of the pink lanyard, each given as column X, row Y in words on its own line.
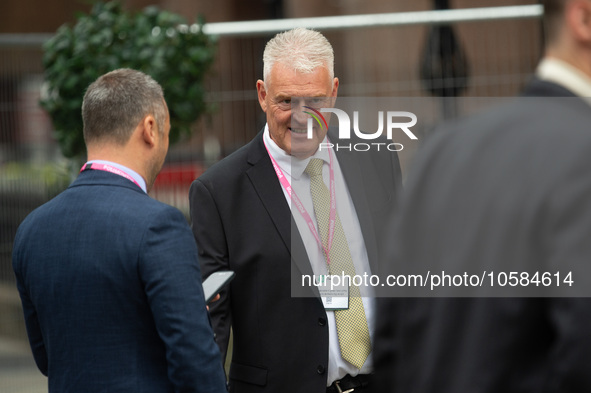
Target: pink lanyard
column 296, row 200
column 108, row 168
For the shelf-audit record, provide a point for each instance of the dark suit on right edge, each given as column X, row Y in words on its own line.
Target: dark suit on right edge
column 512, row 185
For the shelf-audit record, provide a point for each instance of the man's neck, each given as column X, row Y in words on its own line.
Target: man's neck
column 574, row 55
column 119, row 156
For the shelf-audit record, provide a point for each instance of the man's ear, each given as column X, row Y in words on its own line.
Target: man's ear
column 149, row 130
column 262, row 94
column 579, row 20
column 335, row 89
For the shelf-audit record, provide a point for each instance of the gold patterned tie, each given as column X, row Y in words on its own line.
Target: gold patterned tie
column 351, row 323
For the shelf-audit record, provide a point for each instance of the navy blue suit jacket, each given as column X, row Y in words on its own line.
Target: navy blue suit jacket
column 111, row 290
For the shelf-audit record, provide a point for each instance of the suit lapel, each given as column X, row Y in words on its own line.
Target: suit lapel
column 264, row 180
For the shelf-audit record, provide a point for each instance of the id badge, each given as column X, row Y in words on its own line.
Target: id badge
column 334, row 293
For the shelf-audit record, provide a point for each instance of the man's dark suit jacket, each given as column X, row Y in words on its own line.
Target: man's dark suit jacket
column 243, row 223
column 111, row 289
column 510, row 188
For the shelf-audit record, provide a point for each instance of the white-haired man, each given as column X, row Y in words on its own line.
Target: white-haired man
column 242, row 221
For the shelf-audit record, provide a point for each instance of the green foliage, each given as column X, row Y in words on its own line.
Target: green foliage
column 45, row 180
column 158, row 43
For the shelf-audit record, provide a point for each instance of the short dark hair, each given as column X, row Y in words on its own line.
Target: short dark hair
column 553, row 14
column 116, row 102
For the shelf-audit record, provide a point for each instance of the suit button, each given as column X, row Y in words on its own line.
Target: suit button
column 321, row 321
column 320, row 369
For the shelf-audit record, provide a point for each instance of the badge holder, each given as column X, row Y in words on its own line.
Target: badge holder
column 334, row 295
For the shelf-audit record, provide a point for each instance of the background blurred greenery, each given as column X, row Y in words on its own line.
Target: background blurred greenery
column 159, row 43
column 46, row 180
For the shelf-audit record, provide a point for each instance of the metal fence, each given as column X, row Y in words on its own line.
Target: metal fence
column 494, row 52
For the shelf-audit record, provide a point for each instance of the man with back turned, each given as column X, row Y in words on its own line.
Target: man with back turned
column 108, row 277
column 506, row 193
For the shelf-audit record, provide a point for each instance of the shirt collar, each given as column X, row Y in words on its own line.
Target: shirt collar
column 136, row 176
column 291, row 166
column 564, row 74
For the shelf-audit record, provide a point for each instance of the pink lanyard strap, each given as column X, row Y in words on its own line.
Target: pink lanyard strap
column 108, row 168
column 300, row 206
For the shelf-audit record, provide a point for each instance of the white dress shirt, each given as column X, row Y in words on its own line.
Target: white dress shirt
column 562, row 73
column 293, row 169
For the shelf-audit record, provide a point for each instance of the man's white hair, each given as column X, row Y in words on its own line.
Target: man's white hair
column 301, row 49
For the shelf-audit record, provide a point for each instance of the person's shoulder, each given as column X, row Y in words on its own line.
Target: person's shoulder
column 143, row 205
column 541, row 88
column 168, row 214
column 147, row 213
column 500, row 117
column 109, row 192
column 43, row 210
column 534, row 127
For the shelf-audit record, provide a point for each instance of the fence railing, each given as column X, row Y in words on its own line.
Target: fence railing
column 263, row 27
